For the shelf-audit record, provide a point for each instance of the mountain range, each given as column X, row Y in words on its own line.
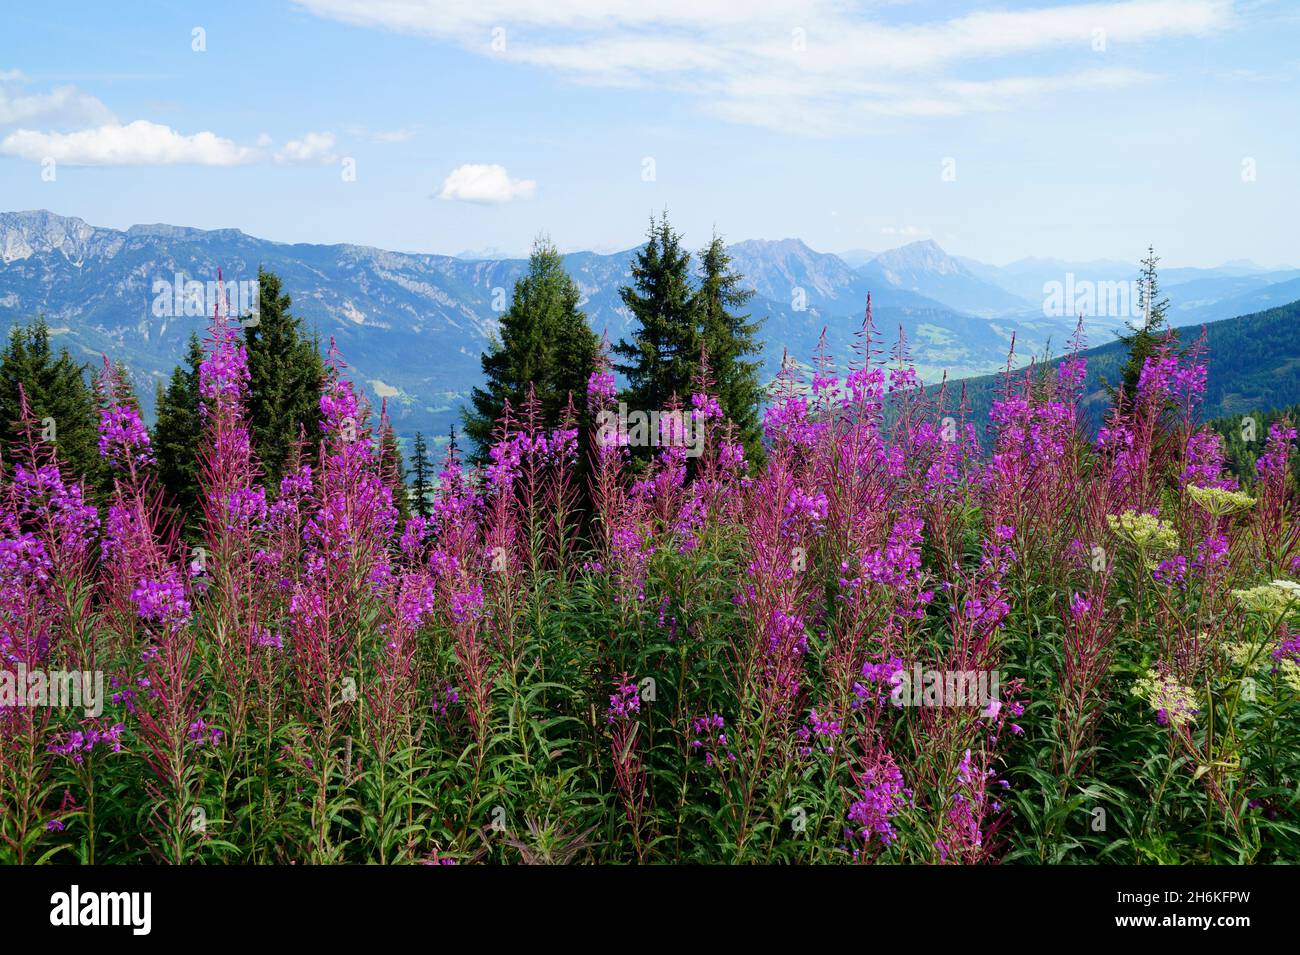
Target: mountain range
column 412, row 326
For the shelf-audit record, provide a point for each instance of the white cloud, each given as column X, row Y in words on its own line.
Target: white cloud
column 313, row 147
column 794, row 63
column 62, row 106
column 485, row 183
column 75, row 128
column 141, row 143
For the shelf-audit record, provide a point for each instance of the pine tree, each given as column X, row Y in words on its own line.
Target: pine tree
column 1143, row 341
column 178, row 432
column 285, row 374
column 544, row 341
column 664, row 351
column 57, row 392
column 729, row 338
column 421, row 486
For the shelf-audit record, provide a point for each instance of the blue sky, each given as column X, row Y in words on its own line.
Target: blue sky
column 1078, row 130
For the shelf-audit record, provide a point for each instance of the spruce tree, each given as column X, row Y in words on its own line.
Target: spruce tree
column 1143, row 340
column 660, row 359
column 544, row 340
column 421, row 485
column 285, row 374
column 126, row 385
column 178, row 432
column 576, row 348
column 729, row 339
column 58, row 394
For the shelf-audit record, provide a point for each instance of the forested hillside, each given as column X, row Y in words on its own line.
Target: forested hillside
column 1244, row 434
column 1253, row 365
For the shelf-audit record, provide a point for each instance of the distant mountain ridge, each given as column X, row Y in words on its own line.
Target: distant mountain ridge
column 412, row 326
column 923, row 267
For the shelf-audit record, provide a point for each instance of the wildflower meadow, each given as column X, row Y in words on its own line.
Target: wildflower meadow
column 900, row 636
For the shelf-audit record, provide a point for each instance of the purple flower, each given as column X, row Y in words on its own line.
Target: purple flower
column 822, row 726
column 705, row 407
column 447, row 698
column 162, row 601
column 201, row 734
column 624, row 702
column 1204, row 458
column 77, row 744
column 122, row 436
column 1172, row 572
column 881, row 795
column 223, row 374
column 467, row 605
column 1277, row 452
column 880, row 681
column 709, row 737
column 600, row 388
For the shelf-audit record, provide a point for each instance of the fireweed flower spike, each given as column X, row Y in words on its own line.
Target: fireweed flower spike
column 709, row 738
column 347, row 575
column 239, row 571
column 964, row 830
column 880, row 796
column 123, row 440
column 142, row 573
column 629, row 769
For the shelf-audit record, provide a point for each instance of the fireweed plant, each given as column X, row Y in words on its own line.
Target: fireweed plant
column 692, row 658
